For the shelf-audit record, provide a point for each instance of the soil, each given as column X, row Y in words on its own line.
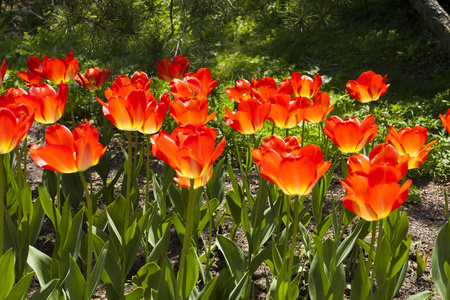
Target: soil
column 426, row 215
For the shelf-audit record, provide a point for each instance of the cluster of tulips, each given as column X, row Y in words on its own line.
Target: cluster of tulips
column 375, row 186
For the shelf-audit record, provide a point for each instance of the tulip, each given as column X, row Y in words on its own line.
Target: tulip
column 193, row 111
column 305, row 86
column 2, row 72
column 126, row 113
column 410, row 144
column 369, row 87
column 154, row 115
column 249, row 117
column 48, row 105
column 198, row 85
column 15, row 122
column 122, row 86
column 446, row 120
column 10, row 95
column 67, row 152
column 285, row 112
column 189, row 150
column 242, row 91
column 373, row 192
column 350, row 135
column 35, row 68
column 319, row 108
column 93, row 79
column 58, row 69
column 169, row 70
column 295, row 170
column 268, row 89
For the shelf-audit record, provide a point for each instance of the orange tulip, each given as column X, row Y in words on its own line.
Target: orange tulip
column 305, row 86
column 446, row 120
column 189, row 150
column 194, row 110
column 68, row 152
column 48, row 105
column 35, row 68
column 319, row 108
column 122, row 86
column 154, row 115
column 242, row 91
column 93, row 79
column 268, row 89
column 15, row 122
column 410, row 144
column 169, row 70
column 198, row 85
column 369, row 87
column 295, row 170
column 58, row 69
column 372, row 185
column 10, row 95
column 126, row 113
column 2, row 72
column 350, row 135
column 285, row 112
column 249, row 117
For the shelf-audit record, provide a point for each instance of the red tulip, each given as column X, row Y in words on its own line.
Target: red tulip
column 410, row 144
column 305, row 86
column 154, row 114
column 285, row 112
column 193, row 111
column 242, row 91
column 249, row 117
column 2, row 72
column 58, row 69
column 122, row 86
column 93, row 79
column 268, row 89
column 35, row 68
column 48, row 105
column 169, row 70
column 319, row 108
column 372, row 185
column 198, row 85
column 446, row 120
column 10, row 95
column 126, row 113
column 350, row 135
column 295, row 170
column 68, row 152
column 15, row 122
column 369, row 87
column 189, row 150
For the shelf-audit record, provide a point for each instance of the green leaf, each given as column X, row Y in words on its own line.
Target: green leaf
column 421, row 296
column 75, row 283
column 240, row 287
column 49, row 208
column 97, row 271
column 20, row 290
column 188, row 274
column 7, row 269
column 136, row 294
column 49, row 182
column 215, row 188
column 207, row 291
column 347, row 245
column 45, row 291
column 160, row 248
column 147, row 278
column 233, row 205
column 233, row 255
column 41, row 264
column 102, row 169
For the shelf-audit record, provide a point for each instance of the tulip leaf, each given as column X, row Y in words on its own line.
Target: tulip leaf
column 97, row 271
column 45, row 290
column 135, row 294
column 102, row 169
column 215, row 188
column 72, row 189
column 205, row 213
column 188, row 274
column 234, row 256
column 75, row 283
column 207, row 291
column 233, row 205
column 240, row 287
column 21, row 289
column 49, row 208
column 347, row 245
column 167, row 285
column 41, row 264
column 147, row 278
column 421, row 296
column 7, row 267
column 236, row 187
column 161, row 247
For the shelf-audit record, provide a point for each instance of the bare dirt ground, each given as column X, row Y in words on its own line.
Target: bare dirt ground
column 426, row 216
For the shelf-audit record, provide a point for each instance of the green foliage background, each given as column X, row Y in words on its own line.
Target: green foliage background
column 237, row 39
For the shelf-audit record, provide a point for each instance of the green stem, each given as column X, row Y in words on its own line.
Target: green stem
column 303, row 132
column 188, row 230
column 254, row 141
column 377, row 254
column 273, row 128
column 58, row 191
column 89, row 230
column 146, row 200
column 288, row 216
column 130, row 165
column 25, row 156
column 369, row 260
column 287, row 132
column 19, row 182
column 294, row 236
column 2, row 202
column 211, row 226
column 71, row 114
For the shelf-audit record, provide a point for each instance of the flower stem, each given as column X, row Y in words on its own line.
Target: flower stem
column 146, row 200
column 188, row 230
column 19, row 183
column 294, row 236
column 58, row 191
column 2, row 202
column 130, row 165
column 303, row 132
column 211, row 226
column 71, row 114
column 369, row 260
column 89, row 229
column 377, row 254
